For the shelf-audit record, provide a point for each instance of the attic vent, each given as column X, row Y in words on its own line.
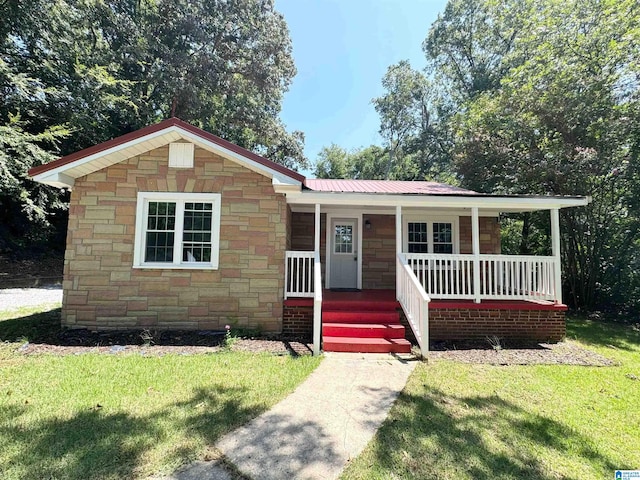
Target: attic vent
column 181, row 155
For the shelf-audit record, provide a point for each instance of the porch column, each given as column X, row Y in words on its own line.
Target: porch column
column 555, row 251
column 475, row 237
column 317, row 296
column 317, row 231
column 398, row 229
column 398, row 243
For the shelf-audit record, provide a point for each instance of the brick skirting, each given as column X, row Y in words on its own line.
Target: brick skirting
column 458, row 321
column 297, row 320
column 546, row 325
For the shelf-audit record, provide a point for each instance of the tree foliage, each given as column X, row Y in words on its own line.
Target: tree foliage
column 79, row 72
column 366, row 163
column 563, row 121
column 531, row 97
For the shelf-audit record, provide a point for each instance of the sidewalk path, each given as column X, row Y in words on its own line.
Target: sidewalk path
column 326, row 421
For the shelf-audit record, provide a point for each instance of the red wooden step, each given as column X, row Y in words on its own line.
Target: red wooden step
column 359, row 316
column 366, row 345
column 363, row 330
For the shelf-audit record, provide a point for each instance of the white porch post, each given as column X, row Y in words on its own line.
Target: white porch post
column 475, row 237
column 398, row 243
column 555, row 251
column 317, row 296
column 317, row 231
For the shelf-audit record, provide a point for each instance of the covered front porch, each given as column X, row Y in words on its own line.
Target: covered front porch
column 437, row 257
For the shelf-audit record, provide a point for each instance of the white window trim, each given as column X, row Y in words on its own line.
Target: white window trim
column 180, row 198
column 430, row 220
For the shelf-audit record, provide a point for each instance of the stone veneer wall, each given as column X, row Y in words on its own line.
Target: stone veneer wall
column 303, row 234
column 379, row 252
column 103, row 291
column 490, row 242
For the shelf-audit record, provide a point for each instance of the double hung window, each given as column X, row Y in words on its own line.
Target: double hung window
column 176, row 230
column 430, row 236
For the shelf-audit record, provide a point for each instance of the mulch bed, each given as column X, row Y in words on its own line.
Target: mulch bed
column 76, row 342
column 563, row 353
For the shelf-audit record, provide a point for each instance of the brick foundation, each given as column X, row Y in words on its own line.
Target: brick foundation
column 297, row 320
column 546, row 325
column 465, row 321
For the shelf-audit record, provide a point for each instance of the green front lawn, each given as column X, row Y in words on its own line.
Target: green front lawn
column 459, row 421
column 125, row 416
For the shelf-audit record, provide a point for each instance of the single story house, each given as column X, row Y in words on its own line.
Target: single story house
column 171, row 227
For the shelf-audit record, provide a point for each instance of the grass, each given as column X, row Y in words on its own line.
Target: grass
column 459, row 421
column 124, row 416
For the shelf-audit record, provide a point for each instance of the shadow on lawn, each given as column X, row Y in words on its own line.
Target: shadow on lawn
column 435, row 435
column 39, row 326
column 601, row 333
column 97, row 444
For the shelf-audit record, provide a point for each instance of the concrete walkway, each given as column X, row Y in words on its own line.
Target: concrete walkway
column 312, row 433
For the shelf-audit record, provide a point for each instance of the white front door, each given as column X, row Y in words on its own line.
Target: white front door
column 344, row 253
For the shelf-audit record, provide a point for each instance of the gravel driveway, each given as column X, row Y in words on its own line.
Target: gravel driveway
column 14, row 298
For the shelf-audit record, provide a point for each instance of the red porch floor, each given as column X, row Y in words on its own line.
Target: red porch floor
column 363, row 297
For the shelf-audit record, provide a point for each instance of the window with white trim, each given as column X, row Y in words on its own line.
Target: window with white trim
column 442, row 236
column 177, row 230
column 437, row 235
column 417, row 237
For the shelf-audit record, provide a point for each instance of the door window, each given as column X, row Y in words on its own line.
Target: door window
column 343, row 239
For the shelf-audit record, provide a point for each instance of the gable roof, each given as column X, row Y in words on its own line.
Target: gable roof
column 63, row 171
column 384, row 186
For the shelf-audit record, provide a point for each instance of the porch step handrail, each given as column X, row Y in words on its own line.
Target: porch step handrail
column 414, row 301
column 317, row 303
column 299, row 272
column 502, row 277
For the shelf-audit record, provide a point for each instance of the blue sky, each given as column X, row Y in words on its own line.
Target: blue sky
column 342, row 48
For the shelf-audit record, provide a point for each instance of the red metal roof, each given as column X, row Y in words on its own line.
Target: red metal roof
column 384, row 186
column 171, row 122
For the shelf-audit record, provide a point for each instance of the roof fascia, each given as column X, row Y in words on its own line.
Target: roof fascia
column 51, row 177
column 58, row 180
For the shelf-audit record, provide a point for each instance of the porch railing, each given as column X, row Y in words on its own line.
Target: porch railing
column 443, row 276
column 298, row 275
column 414, row 301
column 502, row 277
column 518, row 277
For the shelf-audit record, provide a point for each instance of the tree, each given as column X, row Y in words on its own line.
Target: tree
column 97, row 69
column 363, row 164
column 333, row 162
column 467, row 45
column 563, row 120
column 409, row 123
